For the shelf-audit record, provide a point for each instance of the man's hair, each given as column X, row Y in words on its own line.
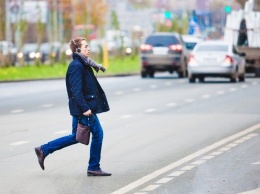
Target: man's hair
column 76, row 43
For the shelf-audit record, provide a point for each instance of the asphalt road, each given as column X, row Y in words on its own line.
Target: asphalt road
column 162, row 135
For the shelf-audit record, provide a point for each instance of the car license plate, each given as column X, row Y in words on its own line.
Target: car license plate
column 210, row 60
column 160, row 51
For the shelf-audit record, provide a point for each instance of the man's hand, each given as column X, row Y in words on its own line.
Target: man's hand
column 87, row 113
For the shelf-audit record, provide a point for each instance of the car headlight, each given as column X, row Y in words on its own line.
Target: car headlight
column 128, row 50
column 32, row 55
column 20, row 55
column 37, row 55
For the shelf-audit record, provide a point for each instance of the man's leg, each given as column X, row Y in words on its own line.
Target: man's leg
column 62, row 142
column 96, row 143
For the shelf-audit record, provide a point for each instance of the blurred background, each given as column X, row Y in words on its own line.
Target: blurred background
column 39, row 31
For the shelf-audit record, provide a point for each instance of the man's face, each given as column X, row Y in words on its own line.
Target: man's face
column 85, row 50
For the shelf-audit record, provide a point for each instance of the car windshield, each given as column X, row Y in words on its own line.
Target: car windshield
column 161, row 41
column 190, row 45
column 215, row 48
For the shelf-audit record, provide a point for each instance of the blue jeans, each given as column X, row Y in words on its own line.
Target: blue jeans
column 96, row 142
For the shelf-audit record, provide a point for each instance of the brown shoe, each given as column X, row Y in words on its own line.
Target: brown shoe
column 98, row 173
column 40, row 156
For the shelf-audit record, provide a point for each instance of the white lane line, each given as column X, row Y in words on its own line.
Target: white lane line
column 189, row 100
column 207, row 157
column 18, row 143
column 232, row 145
column 168, row 83
column 172, row 104
column 16, row 111
column 205, row 96
column 150, row 110
column 188, row 158
column 137, row 89
column 233, row 89
column 164, row 180
column 254, row 83
column 141, row 193
column 244, row 86
column 198, row 162
column 153, row 86
column 47, row 105
column 62, row 132
column 126, row 116
column 255, row 191
column 151, row 187
column 119, row 92
column 256, row 163
column 186, row 168
column 220, row 92
column 176, row 173
column 224, row 149
column 216, row 153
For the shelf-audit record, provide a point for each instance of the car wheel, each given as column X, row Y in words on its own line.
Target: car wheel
column 241, row 78
column 201, row 79
column 192, row 79
column 257, row 72
column 151, row 74
column 143, row 74
column 181, row 74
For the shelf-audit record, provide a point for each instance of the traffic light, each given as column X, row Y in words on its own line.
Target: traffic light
column 167, row 14
column 227, row 9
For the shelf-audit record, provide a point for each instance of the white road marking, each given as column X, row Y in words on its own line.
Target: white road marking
column 216, row 153
column 153, row 86
column 244, row 86
column 239, row 141
column 254, row 83
column 151, row 187
column 186, row 159
column 255, row 191
column 164, row 180
column 220, row 92
column 256, row 163
column 186, row 168
column 150, row 110
column 47, row 105
column 18, row 143
column 168, row 83
column 62, row 132
column 198, row 162
column 189, row 100
column 119, row 92
column 172, row 104
column 176, row 173
column 207, row 157
column 126, row 116
column 233, row 89
column 137, row 89
column 224, row 149
column 232, row 145
column 205, row 96
column 16, row 111
column 141, row 193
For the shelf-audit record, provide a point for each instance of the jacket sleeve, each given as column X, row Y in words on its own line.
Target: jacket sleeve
column 75, row 80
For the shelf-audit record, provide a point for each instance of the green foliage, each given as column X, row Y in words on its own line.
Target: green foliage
column 114, row 21
column 179, row 25
column 116, row 66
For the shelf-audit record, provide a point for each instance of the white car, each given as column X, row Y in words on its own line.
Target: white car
column 216, row 59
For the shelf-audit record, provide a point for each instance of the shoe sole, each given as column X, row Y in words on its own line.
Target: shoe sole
column 37, row 153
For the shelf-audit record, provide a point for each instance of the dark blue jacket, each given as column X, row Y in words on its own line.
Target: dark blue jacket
column 84, row 91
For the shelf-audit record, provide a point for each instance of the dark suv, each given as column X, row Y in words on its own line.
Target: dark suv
column 163, row 51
